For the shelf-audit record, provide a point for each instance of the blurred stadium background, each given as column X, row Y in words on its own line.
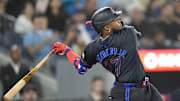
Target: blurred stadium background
column 28, row 28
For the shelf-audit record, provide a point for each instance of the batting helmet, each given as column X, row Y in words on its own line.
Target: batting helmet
column 103, row 16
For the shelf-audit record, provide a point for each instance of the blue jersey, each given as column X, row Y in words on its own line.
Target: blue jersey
column 118, row 54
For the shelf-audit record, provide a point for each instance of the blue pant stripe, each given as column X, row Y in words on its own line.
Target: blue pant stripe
column 126, row 95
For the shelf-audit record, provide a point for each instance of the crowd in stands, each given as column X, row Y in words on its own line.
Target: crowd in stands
column 36, row 24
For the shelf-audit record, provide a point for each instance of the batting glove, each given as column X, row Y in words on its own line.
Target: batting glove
column 60, row 48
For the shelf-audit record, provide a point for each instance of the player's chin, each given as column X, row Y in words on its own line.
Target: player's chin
column 118, row 27
column 116, row 30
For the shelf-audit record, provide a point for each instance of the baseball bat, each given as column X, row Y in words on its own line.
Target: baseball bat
column 21, row 83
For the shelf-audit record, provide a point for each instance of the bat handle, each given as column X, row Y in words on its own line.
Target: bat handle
column 52, row 52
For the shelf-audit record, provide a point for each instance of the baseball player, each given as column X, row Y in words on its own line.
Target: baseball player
column 116, row 50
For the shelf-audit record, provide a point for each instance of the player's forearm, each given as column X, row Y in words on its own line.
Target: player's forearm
column 76, row 60
column 71, row 55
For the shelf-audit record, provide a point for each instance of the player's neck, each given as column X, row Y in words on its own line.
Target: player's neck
column 104, row 36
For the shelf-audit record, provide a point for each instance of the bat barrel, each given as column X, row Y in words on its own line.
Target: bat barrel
column 19, row 85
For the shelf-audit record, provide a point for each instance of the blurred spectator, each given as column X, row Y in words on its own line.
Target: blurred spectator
column 145, row 43
column 41, row 6
column 78, row 18
column 15, row 7
column 6, row 21
column 153, row 10
column 14, row 70
column 97, row 90
column 123, row 4
column 57, row 16
column 33, row 90
column 167, row 24
column 176, row 5
column 10, row 38
column 71, row 5
column 23, row 23
column 90, row 7
column 38, row 42
column 83, row 36
column 2, row 6
column 101, row 4
column 29, row 93
column 176, row 18
column 71, row 40
column 140, row 23
column 71, row 35
column 160, row 42
column 2, row 11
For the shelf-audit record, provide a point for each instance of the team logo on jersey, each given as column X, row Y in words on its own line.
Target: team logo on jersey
column 110, row 51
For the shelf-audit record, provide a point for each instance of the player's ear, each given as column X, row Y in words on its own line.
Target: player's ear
column 107, row 28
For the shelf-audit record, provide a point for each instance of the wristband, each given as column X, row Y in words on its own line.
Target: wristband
column 67, row 51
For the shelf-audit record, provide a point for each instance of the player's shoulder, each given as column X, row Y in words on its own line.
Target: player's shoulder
column 123, row 32
column 93, row 43
column 126, row 27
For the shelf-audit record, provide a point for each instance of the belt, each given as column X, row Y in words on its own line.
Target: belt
column 133, row 85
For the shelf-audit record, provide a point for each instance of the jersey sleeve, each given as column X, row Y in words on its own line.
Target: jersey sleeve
column 88, row 56
column 137, row 34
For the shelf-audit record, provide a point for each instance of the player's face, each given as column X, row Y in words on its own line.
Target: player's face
column 116, row 24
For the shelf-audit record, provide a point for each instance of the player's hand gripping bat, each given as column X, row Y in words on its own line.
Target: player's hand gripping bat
column 21, row 83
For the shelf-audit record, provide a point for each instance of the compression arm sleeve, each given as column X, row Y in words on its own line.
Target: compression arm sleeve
column 77, row 61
